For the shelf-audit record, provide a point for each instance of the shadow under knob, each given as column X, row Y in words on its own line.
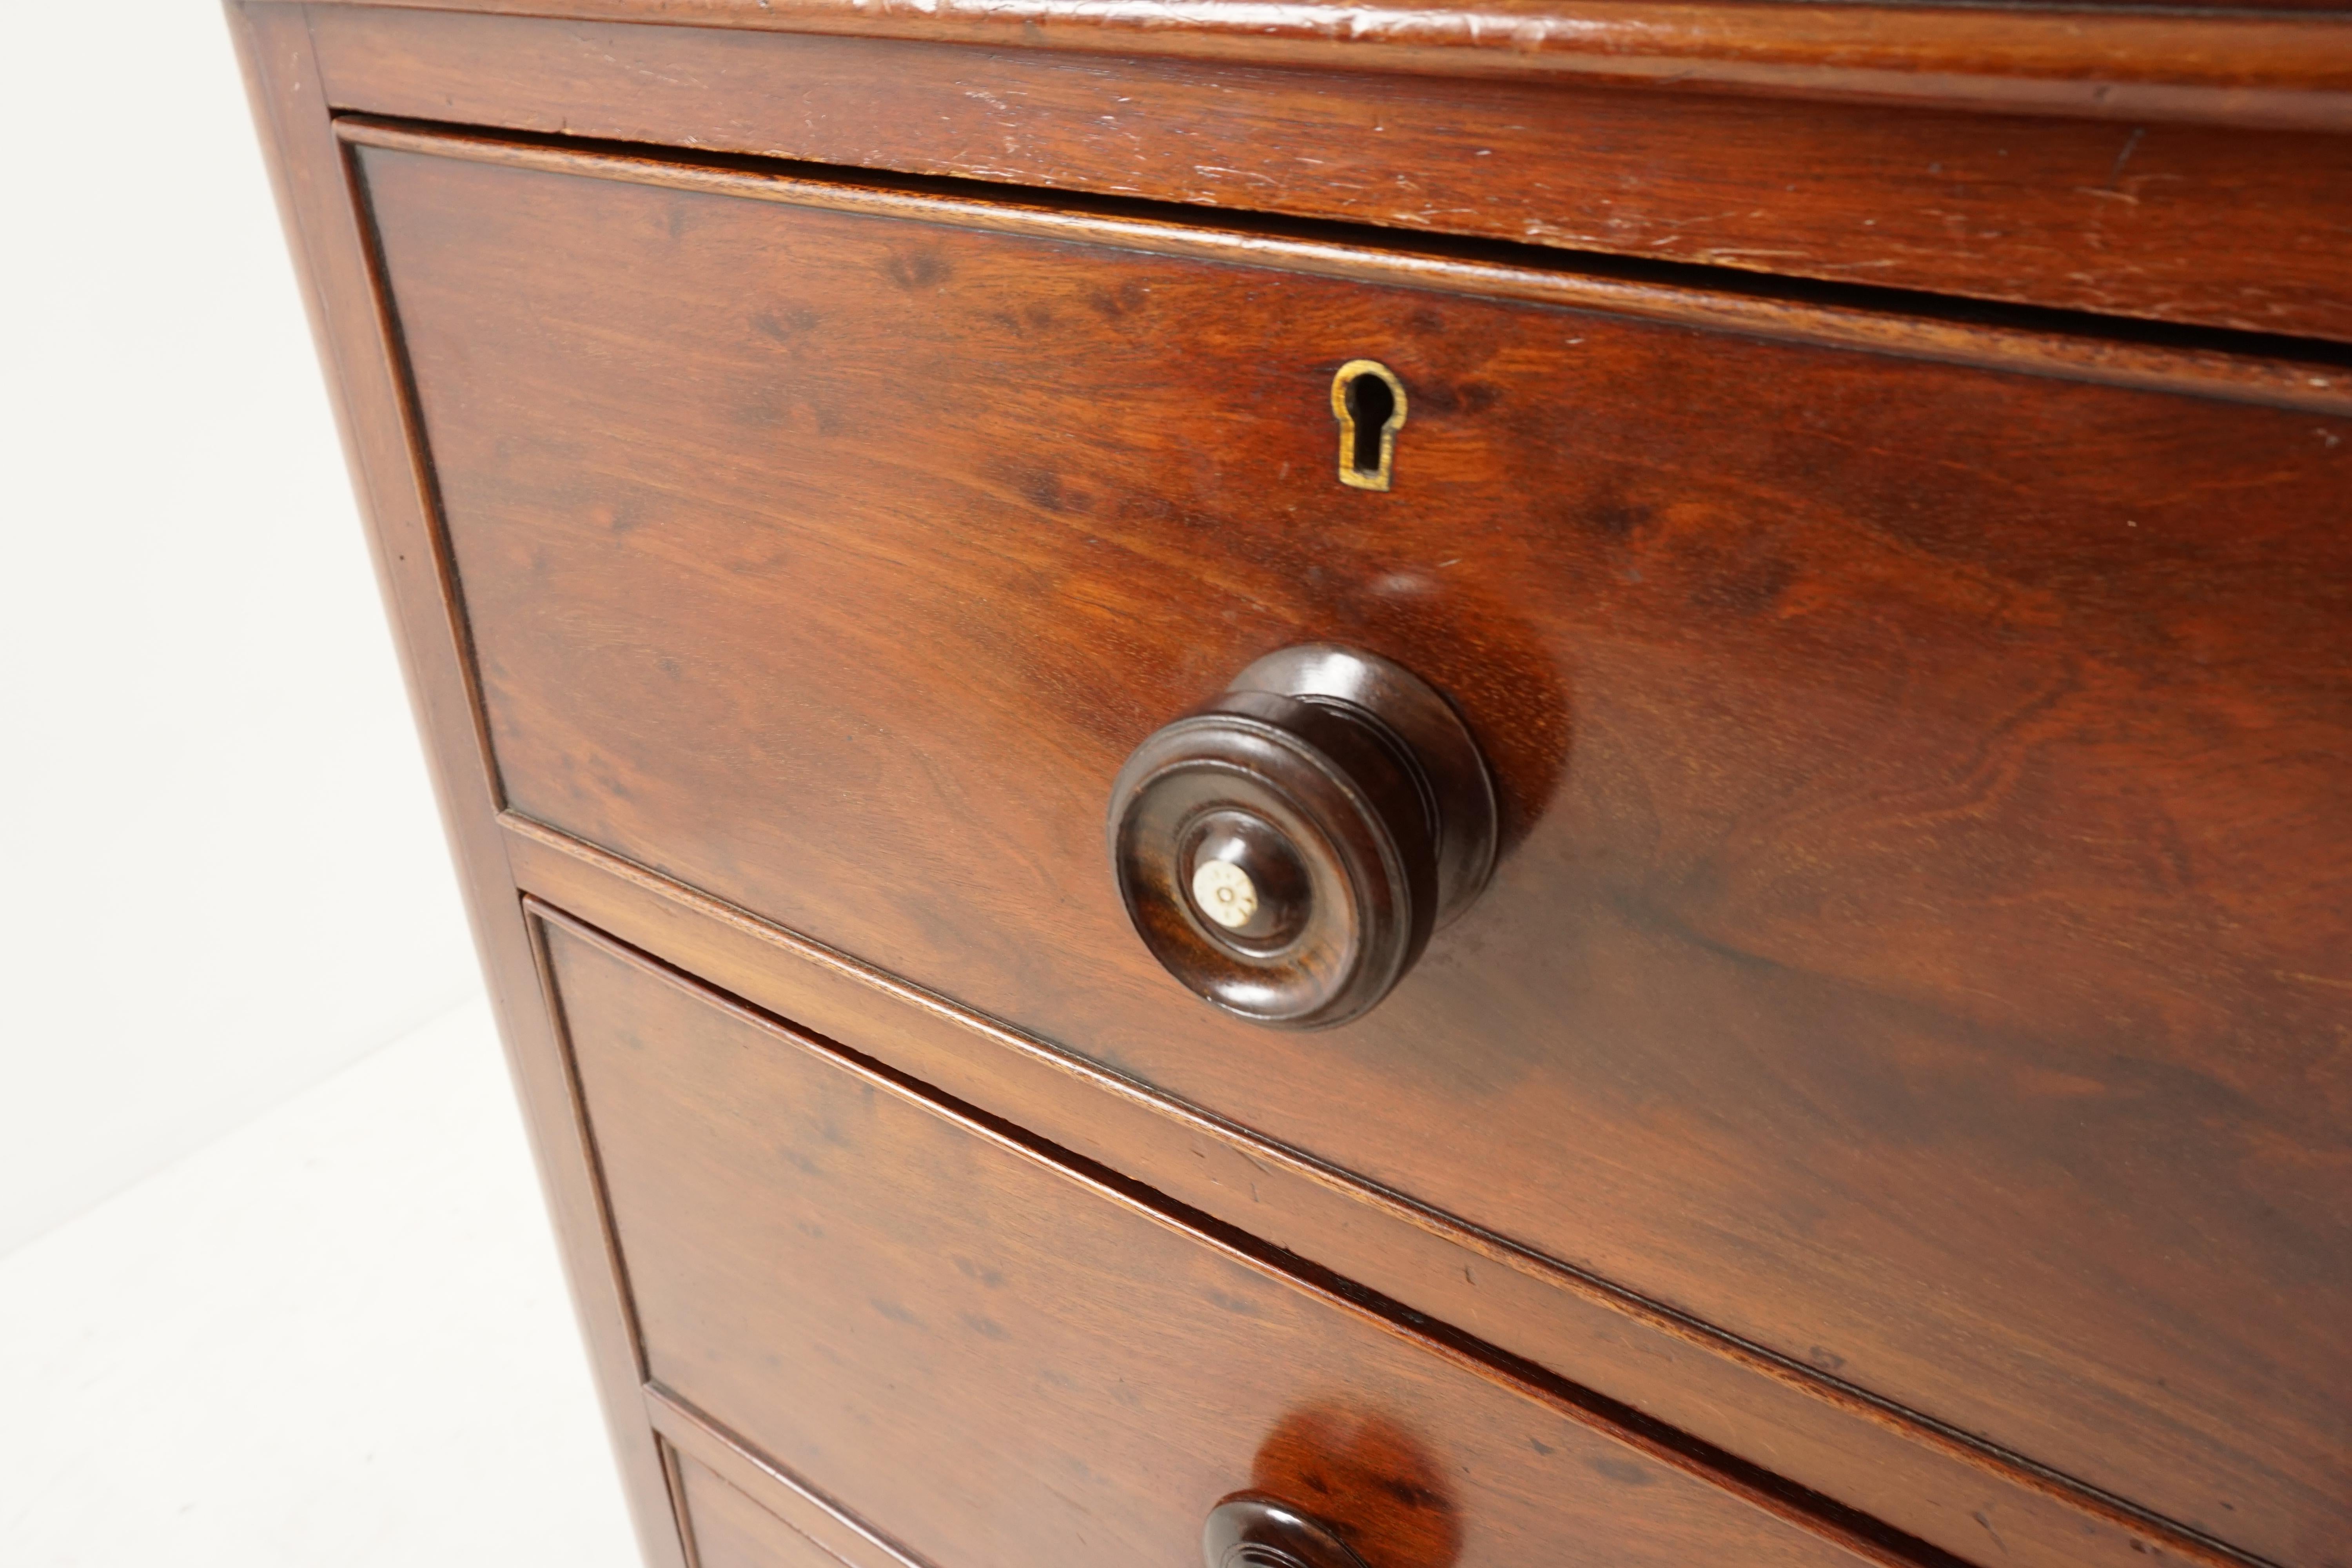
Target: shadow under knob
column 1286, row 848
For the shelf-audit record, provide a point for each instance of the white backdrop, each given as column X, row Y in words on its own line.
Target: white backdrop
column 224, row 877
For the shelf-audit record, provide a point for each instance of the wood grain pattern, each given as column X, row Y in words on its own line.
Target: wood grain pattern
column 1783, row 1416
column 1015, row 1365
column 2174, row 222
column 308, row 175
column 1514, row 273
column 689, row 1433
column 2148, row 64
column 1490, row 271
column 1777, row 1414
column 1929, row 797
column 729, row 1530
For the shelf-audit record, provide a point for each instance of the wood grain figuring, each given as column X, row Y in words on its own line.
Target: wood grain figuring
column 729, row 1530
column 2145, row 64
column 1782, row 1415
column 1012, row 1365
column 2174, row 223
column 1926, row 786
column 308, row 176
column 1518, row 273
column 689, row 1433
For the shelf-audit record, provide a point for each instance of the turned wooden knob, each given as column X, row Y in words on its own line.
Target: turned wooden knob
column 1250, row 1530
column 1286, row 848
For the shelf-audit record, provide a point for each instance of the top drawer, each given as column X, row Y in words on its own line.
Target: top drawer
column 2146, row 208
column 1921, row 940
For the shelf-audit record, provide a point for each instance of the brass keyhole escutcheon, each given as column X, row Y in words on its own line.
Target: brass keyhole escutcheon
column 1367, row 400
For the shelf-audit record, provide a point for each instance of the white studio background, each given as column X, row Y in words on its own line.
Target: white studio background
column 224, row 879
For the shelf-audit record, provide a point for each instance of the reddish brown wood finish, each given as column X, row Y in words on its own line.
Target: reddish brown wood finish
column 324, row 228
column 2070, row 346
column 1928, row 1481
column 1350, row 812
column 2180, row 223
column 2161, row 62
column 1928, row 783
column 1015, row 1364
column 729, row 1530
column 689, row 1434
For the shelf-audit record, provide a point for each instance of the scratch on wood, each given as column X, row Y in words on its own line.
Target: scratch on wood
column 2131, row 145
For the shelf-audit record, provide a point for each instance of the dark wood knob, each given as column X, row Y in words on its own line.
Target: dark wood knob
column 1250, row 1530
column 1285, row 848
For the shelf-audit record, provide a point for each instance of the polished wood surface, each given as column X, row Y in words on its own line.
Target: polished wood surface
column 2153, row 62
column 1286, row 848
column 2250, row 369
column 729, row 1530
column 1993, row 1064
column 2188, row 222
column 1015, row 1364
column 1926, row 784
column 324, row 230
column 1936, row 1485
column 690, row 1434
column 1255, row 1530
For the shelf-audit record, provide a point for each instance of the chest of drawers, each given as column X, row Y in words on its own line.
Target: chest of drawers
column 1774, row 970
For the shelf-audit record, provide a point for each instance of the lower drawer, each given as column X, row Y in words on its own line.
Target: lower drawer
column 998, row 1361
column 729, row 1530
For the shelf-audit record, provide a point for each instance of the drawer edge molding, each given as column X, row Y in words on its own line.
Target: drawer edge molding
column 1883, row 192
column 1940, row 1485
column 773, row 1487
column 1408, row 261
column 367, row 389
column 1769, row 1494
column 2148, row 64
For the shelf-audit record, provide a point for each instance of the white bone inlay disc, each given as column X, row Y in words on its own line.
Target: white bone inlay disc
column 1223, row 892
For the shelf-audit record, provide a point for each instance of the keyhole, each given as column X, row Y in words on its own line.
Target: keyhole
column 1369, row 402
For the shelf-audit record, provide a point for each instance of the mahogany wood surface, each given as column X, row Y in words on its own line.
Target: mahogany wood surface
column 309, row 174
column 728, row 1530
column 1791, row 1418
column 1926, row 783
column 2153, row 61
column 1015, row 1364
column 2255, row 370
column 2185, row 223
column 690, row 1434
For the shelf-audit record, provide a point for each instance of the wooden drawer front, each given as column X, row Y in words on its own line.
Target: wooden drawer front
column 729, row 1530
column 1920, row 945
column 2228, row 227
column 997, row 1362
